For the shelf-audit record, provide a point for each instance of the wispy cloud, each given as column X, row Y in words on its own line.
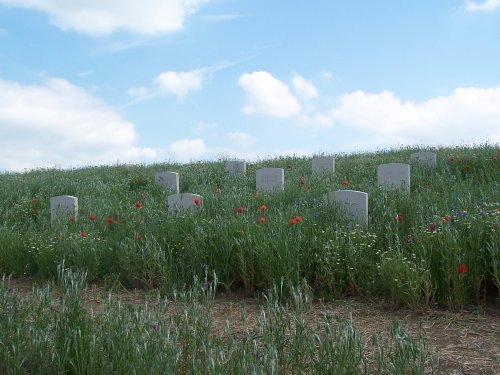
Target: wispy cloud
column 486, row 6
column 221, row 17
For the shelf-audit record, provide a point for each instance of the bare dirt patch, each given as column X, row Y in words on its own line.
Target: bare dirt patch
column 467, row 342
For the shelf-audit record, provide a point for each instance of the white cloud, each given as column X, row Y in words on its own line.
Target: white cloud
column 101, row 17
column 59, row 123
column 467, row 115
column 486, row 6
column 186, row 150
column 202, row 127
column 243, row 140
column 305, row 89
column 327, row 76
column 180, row 83
column 268, row 96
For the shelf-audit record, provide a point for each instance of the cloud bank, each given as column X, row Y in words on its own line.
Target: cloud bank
column 486, row 6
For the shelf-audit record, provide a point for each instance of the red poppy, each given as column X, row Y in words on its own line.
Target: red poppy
column 34, row 212
column 196, row 201
column 462, row 269
column 427, row 186
column 142, row 195
column 262, row 220
column 92, row 217
column 83, row 234
column 400, row 217
column 138, row 237
column 239, row 210
column 447, row 219
column 138, row 205
column 453, row 158
column 432, row 228
column 298, row 219
column 72, row 219
column 345, row 183
column 262, row 208
column 34, row 199
column 302, row 181
column 292, row 222
column 110, row 220
column 494, row 158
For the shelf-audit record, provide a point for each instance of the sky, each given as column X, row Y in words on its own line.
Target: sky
column 100, row 82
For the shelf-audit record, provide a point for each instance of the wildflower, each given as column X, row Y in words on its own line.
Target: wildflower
column 142, row 195
column 462, row 269
column 409, row 241
column 217, row 190
column 292, row 222
column 92, row 217
column 289, row 166
column 345, row 183
column 447, row 219
column 138, row 205
column 399, row 217
column 72, row 219
column 196, row 201
column 239, row 210
column 427, row 186
column 432, row 228
column 34, row 199
column 138, row 237
column 315, row 216
column 110, row 220
column 154, row 327
column 204, row 266
column 83, row 234
column 34, row 212
column 306, row 190
column 494, row 158
column 298, row 219
column 453, row 158
column 302, row 181
column 262, row 208
column 262, row 220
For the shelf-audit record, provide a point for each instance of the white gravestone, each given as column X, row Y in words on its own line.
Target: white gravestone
column 426, row 159
column 395, row 175
column 169, row 180
column 354, row 202
column 184, row 202
column 236, row 168
column 323, row 164
column 270, row 179
column 63, row 206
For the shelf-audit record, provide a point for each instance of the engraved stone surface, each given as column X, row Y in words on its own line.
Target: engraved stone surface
column 394, row 175
column 354, row 202
column 169, row 181
column 62, row 207
column 270, row 179
column 178, row 203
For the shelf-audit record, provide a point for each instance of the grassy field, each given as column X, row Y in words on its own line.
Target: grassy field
column 437, row 245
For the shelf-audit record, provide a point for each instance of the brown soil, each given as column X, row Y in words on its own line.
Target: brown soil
column 467, row 342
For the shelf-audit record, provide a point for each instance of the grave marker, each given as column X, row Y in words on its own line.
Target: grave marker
column 426, row 159
column 354, row 202
column 184, row 202
column 63, row 206
column 395, row 175
column 169, row 181
column 270, row 179
column 323, row 164
column 236, row 168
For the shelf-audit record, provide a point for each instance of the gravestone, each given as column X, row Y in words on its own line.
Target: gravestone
column 354, row 202
column 63, row 207
column 169, row 181
column 323, row 164
column 394, row 175
column 236, row 168
column 184, row 202
column 426, row 159
column 270, row 179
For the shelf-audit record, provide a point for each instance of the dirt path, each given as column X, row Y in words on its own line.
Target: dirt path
column 468, row 342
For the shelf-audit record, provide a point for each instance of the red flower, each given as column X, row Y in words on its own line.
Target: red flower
column 447, row 219
column 292, row 222
column 196, row 201
column 110, row 220
column 240, row 210
column 453, row 158
column 306, row 190
column 34, row 212
column 92, row 217
column 400, row 217
column 289, row 166
column 34, row 199
column 262, row 220
column 262, row 208
column 427, row 186
column 462, row 269
column 302, row 181
column 494, row 158
column 138, row 237
column 138, row 205
column 298, row 219
column 432, row 228
column 72, row 219
column 83, row 234
column 142, row 195
column 345, row 183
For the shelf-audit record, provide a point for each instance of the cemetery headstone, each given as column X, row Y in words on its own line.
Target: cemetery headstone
column 270, row 179
column 184, row 202
column 394, row 175
column 63, row 206
column 427, row 159
column 354, row 202
column 236, row 168
column 169, row 181
column 323, row 164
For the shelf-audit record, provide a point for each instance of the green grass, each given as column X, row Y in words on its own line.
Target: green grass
column 450, row 223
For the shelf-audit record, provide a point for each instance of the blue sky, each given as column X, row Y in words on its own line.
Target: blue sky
column 94, row 82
